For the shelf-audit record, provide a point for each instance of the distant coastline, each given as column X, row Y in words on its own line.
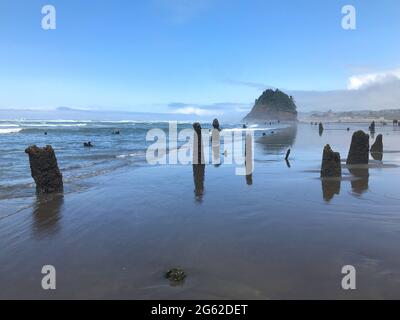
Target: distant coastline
column 386, row 115
column 76, row 115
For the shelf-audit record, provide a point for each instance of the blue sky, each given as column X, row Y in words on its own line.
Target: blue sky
column 154, row 55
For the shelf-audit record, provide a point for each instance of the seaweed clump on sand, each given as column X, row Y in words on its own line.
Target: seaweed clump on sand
column 175, row 275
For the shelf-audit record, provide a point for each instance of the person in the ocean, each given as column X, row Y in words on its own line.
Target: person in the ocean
column 88, row 144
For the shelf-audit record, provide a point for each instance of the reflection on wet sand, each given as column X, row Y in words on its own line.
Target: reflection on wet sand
column 47, row 214
column 278, row 141
column 330, row 187
column 216, row 156
column 360, row 183
column 198, row 178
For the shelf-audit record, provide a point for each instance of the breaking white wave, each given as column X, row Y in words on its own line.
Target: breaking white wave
column 121, row 156
column 10, row 130
column 72, row 121
column 49, row 125
column 143, row 121
column 9, row 125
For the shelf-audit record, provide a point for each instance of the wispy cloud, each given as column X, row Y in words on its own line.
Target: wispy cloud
column 196, row 111
column 217, row 109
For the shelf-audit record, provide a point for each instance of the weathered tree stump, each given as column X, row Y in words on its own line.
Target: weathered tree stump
column 331, row 166
column 359, row 148
column 377, row 148
column 287, row 154
column 198, row 156
column 44, row 169
column 320, row 128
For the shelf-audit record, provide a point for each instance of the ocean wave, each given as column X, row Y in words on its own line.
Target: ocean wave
column 118, row 121
column 42, row 120
column 9, row 125
column 135, row 154
column 49, row 125
column 10, row 130
column 143, row 121
column 72, row 121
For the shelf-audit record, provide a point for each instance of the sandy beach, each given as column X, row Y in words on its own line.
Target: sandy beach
column 283, row 233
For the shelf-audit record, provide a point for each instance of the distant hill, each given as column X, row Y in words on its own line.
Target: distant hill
column 273, row 105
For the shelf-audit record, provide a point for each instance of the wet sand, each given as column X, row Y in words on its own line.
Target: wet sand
column 285, row 235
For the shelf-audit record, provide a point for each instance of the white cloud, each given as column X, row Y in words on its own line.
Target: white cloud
column 227, row 110
column 372, row 91
column 357, row 82
column 196, row 111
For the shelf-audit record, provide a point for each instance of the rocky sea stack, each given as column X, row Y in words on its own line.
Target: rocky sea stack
column 273, row 105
